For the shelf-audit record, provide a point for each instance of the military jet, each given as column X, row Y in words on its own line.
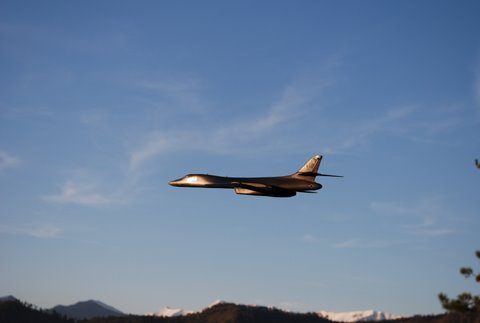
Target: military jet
column 279, row 186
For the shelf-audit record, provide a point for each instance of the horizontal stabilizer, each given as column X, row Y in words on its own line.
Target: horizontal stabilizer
column 317, row 174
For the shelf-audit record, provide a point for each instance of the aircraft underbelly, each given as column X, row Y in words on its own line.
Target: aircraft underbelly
column 275, row 193
column 289, row 184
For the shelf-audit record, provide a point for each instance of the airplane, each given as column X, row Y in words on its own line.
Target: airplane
column 279, row 186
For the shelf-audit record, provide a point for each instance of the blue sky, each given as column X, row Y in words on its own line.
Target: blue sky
column 102, row 103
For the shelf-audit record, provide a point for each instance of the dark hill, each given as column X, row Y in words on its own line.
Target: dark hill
column 14, row 311
column 224, row 313
column 444, row 318
column 8, row 298
column 245, row 314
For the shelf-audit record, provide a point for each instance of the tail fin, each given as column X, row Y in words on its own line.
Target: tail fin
column 310, row 170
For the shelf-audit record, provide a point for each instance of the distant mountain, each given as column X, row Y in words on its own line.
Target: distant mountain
column 215, row 303
column 87, row 310
column 8, row 298
column 169, row 312
column 92, row 308
column 174, row 312
column 358, row 316
column 16, row 311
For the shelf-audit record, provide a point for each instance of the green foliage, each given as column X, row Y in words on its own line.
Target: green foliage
column 467, row 272
column 465, row 302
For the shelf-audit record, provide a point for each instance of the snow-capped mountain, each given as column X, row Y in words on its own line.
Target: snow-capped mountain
column 93, row 308
column 170, row 312
column 358, row 316
column 87, row 310
column 215, row 303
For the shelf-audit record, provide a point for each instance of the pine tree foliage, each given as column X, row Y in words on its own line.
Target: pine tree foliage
column 21, row 312
column 465, row 302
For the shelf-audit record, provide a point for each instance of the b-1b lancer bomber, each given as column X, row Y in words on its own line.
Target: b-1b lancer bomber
column 279, row 186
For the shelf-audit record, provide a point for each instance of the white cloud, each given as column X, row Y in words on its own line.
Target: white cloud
column 47, row 231
column 373, row 244
column 236, row 135
column 180, row 94
column 156, row 144
column 414, row 123
column 431, row 232
column 42, row 231
column 289, row 107
column 7, row 160
column 361, row 132
column 310, row 238
column 351, row 243
column 423, row 216
column 75, row 193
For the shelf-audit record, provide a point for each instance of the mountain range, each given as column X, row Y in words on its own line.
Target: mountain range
column 93, row 308
column 357, row 316
column 14, row 311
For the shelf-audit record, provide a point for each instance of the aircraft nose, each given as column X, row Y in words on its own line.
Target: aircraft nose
column 174, row 182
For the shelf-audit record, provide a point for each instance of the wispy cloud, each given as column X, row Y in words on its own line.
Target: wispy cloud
column 411, row 122
column 364, row 244
column 292, row 103
column 46, row 231
column 423, row 216
column 7, row 160
column 309, row 238
column 76, row 193
column 41, row 231
column 156, row 144
column 178, row 94
column 234, row 135
column 362, row 132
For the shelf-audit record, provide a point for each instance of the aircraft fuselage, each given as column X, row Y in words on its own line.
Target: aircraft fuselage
column 213, row 181
column 279, row 186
